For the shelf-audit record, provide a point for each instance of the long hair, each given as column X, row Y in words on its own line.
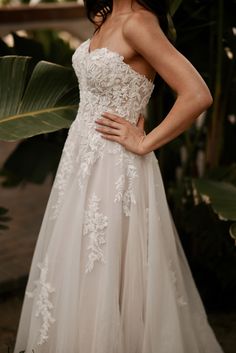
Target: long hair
column 102, row 8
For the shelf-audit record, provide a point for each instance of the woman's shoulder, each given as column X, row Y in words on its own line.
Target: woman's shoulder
column 138, row 19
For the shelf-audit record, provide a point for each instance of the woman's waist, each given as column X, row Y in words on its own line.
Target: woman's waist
column 89, row 112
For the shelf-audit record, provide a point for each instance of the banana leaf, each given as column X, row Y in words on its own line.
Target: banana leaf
column 35, row 100
column 222, row 198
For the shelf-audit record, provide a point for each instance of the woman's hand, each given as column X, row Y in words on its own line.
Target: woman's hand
column 114, row 128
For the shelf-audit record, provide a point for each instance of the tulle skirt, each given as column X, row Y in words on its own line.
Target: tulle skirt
column 108, row 273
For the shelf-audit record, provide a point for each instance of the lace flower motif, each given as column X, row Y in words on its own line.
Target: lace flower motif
column 44, row 305
column 95, row 224
column 65, row 170
column 124, row 193
column 89, row 154
column 106, row 83
column 180, row 299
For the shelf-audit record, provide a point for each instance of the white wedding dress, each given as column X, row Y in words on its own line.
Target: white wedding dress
column 108, row 273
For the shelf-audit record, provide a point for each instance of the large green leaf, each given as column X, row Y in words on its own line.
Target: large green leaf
column 35, row 102
column 222, row 197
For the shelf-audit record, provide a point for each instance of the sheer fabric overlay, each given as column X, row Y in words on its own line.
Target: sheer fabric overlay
column 108, row 274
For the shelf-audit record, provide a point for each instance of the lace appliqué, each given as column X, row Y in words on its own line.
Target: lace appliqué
column 89, row 153
column 106, row 83
column 112, row 82
column 44, row 305
column 180, row 299
column 124, row 185
column 95, row 224
column 65, row 169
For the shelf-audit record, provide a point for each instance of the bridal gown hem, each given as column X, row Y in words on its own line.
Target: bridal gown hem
column 108, row 274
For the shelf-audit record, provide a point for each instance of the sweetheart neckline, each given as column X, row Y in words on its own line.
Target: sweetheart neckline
column 88, row 41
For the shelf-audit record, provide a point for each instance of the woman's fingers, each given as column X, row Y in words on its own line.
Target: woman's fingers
column 107, row 122
column 115, row 128
column 114, row 117
column 110, row 124
column 111, row 137
column 108, row 130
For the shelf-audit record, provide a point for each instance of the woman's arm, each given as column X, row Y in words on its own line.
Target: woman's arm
column 143, row 33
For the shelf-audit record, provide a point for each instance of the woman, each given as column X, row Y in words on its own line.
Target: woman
column 108, row 273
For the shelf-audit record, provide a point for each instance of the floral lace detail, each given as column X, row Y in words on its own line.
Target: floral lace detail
column 127, row 196
column 180, row 299
column 65, row 170
column 90, row 152
column 95, row 224
column 106, row 83
column 120, row 186
column 112, row 83
column 44, row 306
column 124, row 185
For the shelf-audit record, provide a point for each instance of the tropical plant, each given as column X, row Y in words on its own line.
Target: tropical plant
column 36, row 101
column 206, row 35
column 221, row 196
column 42, row 151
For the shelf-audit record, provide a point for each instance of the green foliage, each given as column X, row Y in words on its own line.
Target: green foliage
column 41, row 101
column 205, row 153
column 207, row 245
column 55, row 49
column 40, row 45
column 210, row 253
column 45, row 148
column 34, row 159
column 209, row 25
column 221, row 196
column 208, row 149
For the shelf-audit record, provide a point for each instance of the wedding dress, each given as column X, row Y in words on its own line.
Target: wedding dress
column 108, row 274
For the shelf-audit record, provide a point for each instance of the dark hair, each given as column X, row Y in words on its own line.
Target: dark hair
column 103, row 8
